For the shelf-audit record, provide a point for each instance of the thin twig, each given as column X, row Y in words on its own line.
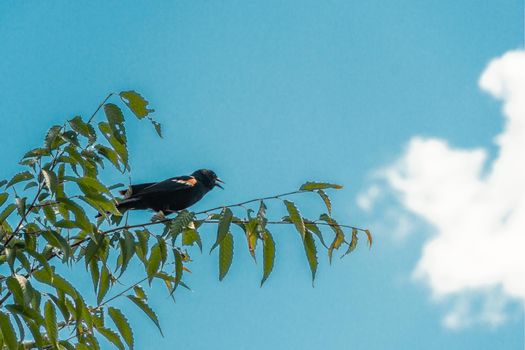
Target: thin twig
column 52, row 203
column 252, row 200
column 4, row 298
column 99, row 107
column 122, row 293
column 213, row 221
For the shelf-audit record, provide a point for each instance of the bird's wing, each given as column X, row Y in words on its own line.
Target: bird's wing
column 135, row 189
column 174, row 184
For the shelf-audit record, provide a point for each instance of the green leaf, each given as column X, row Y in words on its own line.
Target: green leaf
column 8, row 332
column 115, row 186
column 163, row 250
column 35, row 331
column 20, row 288
column 268, row 255
column 111, row 336
column 16, row 290
column 311, row 253
column 95, row 273
column 139, row 292
column 295, row 217
column 92, row 341
column 100, row 203
column 52, row 140
column 66, row 224
column 223, row 227
column 41, row 260
column 136, row 103
column 312, row 227
column 127, row 248
column 57, row 241
column 109, row 154
column 181, row 221
column 310, row 186
column 251, row 235
column 190, row 236
column 50, row 180
column 21, row 205
column 37, row 153
column 26, row 312
column 20, row 255
column 6, row 212
column 90, row 182
column 21, row 329
column 122, row 325
column 178, row 267
column 55, row 281
column 339, row 234
column 116, row 121
column 71, row 137
column 23, row 176
column 82, row 312
column 10, row 255
column 103, row 284
column 50, row 317
column 49, row 212
column 89, row 167
column 158, row 127
column 3, row 198
column 147, row 310
column 30, row 185
column 369, row 237
column 117, row 145
column 81, row 218
column 141, row 249
column 326, row 200
column 261, row 217
column 153, row 262
column 225, row 255
column 353, row 243
column 60, row 177
column 83, row 128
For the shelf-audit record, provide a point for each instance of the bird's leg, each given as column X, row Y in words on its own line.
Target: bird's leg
column 158, row 216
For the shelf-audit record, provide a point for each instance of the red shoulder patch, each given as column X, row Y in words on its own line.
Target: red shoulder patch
column 189, row 182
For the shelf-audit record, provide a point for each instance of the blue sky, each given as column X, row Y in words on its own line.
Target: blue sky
column 270, row 94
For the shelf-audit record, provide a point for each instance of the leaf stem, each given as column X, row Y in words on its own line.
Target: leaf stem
column 100, row 106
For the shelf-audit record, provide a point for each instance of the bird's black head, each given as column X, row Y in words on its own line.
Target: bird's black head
column 208, row 178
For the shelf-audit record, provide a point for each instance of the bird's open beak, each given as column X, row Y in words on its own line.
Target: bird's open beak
column 217, row 180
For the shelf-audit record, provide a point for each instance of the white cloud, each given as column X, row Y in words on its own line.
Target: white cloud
column 477, row 207
column 366, row 200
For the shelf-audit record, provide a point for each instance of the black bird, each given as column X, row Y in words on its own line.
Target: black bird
column 170, row 195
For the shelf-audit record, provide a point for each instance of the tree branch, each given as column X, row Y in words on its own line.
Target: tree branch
column 28, row 210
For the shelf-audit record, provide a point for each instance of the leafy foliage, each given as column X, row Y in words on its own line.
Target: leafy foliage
column 47, row 218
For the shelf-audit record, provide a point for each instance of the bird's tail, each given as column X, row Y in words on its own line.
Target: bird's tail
column 127, row 204
column 123, row 206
